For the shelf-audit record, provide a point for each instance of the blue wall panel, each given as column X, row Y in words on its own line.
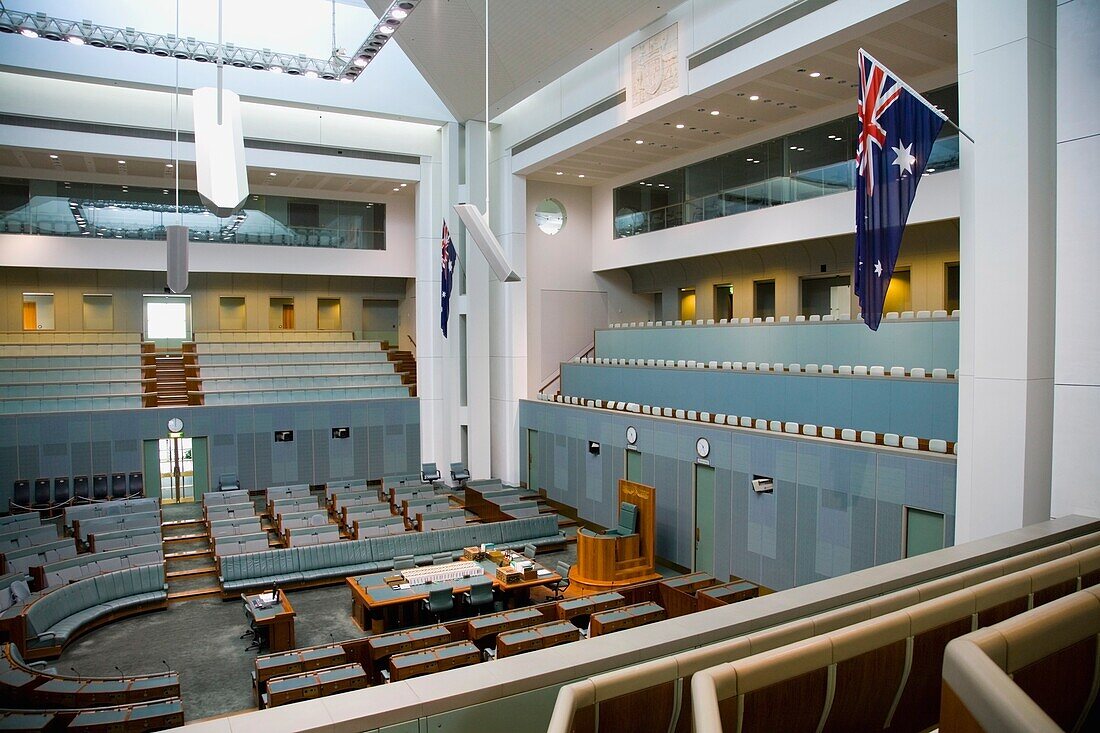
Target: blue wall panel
column 911, row 343
column 240, row 439
column 835, row 508
column 925, row 408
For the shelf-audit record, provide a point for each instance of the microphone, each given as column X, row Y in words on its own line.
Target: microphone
column 74, row 671
column 166, row 666
column 331, row 638
column 119, row 670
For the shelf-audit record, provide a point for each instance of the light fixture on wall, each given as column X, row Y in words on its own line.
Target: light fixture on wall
column 341, row 433
column 284, row 436
column 593, row 447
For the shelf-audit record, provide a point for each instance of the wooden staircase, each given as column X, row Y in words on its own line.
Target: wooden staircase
column 168, row 374
column 404, row 363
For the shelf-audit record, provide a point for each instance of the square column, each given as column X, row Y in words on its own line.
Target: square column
column 1007, row 82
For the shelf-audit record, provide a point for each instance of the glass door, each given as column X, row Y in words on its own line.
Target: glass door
column 176, row 469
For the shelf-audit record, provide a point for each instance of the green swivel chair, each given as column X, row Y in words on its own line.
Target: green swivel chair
column 628, row 520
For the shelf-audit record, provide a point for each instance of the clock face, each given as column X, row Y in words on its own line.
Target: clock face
column 702, row 447
column 175, row 425
column 631, row 435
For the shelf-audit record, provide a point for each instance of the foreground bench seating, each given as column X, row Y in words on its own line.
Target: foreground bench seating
column 23, row 559
column 103, row 541
column 302, row 536
column 234, row 526
column 75, row 514
column 217, row 512
column 362, row 526
column 116, row 523
column 337, row 560
column 236, row 544
column 25, row 536
column 89, row 564
column 439, row 520
column 51, row 618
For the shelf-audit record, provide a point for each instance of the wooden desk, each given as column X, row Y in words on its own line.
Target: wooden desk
column 678, row 594
column 536, row 637
column 492, row 624
column 269, row 666
column 372, row 598
column 722, row 595
column 626, row 617
column 308, row 685
column 381, row 648
column 277, row 620
column 433, row 659
column 149, row 716
column 588, row 605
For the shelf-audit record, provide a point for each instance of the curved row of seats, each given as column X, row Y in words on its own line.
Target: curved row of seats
column 284, row 356
column 69, row 377
column 311, row 381
column 333, row 560
column 25, row 558
column 889, row 316
column 844, row 370
column 49, row 619
column 788, row 428
column 893, row 640
column 280, row 336
column 77, row 513
column 319, row 394
column 312, row 369
column 284, row 347
column 879, row 673
column 83, row 350
column 91, row 564
column 70, row 337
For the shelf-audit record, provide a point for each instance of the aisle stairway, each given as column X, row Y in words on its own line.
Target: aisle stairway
column 404, row 363
column 191, row 571
column 171, row 380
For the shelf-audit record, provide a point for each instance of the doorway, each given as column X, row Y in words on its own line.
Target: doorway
column 380, row 320
column 181, row 467
column 633, row 465
column 38, row 312
column 687, row 304
column 826, row 296
column 704, row 519
column 328, row 314
column 280, row 314
column 723, row 302
column 924, row 531
column 533, row 460
column 167, row 319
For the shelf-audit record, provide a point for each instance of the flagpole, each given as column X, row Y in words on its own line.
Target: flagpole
column 918, row 95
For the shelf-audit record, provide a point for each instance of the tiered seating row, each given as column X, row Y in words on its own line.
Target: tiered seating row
column 896, row 372
column 787, row 428
column 889, row 316
column 69, row 337
column 83, row 374
column 278, row 347
column 271, row 336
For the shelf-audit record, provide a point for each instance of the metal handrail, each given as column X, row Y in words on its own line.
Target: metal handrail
column 556, row 375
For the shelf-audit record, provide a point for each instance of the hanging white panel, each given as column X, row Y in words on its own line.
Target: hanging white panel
column 178, row 269
column 219, row 151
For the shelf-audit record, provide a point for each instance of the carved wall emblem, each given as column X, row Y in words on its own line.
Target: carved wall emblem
column 655, row 66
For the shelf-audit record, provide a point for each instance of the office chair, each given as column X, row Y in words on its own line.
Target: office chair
column 404, row 562
column 429, row 474
column 441, row 558
column 20, row 496
column 480, row 595
column 529, row 551
column 42, row 498
column 563, row 569
column 62, row 497
column 80, row 489
column 99, row 487
column 439, row 602
column 137, row 485
column 459, row 473
column 118, row 486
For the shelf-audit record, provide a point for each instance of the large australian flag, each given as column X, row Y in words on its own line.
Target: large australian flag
column 897, row 127
column 446, row 279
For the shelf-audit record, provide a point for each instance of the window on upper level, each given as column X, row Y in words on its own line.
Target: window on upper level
column 807, row 164
column 763, row 299
column 951, row 286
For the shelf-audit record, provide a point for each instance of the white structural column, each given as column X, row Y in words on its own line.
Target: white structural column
column 508, row 306
column 436, row 357
column 1006, row 390
column 475, row 305
column 1076, row 476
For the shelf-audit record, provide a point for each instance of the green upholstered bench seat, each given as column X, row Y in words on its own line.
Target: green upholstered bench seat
column 54, row 616
column 357, row 557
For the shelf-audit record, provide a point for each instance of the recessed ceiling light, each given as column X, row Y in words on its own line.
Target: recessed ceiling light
column 29, row 32
column 75, row 40
column 53, row 157
column 397, row 189
column 815, row 74
column 169, row 165
column 838, row 137
column 360, row 61
column 398, row 14
column 754, row 97
column 272, row 174
column 680, row 126
column 931, row 170
column 580, row 175
column 748, row 160
column 714, row 112
column 794, row 147
column 310, row 74
column 386, row 29
column 639, row 142
column 404, row 184
column 559, row 173
column 801, row 149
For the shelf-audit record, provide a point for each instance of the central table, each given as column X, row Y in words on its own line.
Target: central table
column 278, row 619
column 372, row 597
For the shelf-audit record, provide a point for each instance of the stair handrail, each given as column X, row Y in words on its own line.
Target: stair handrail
column 556, row 375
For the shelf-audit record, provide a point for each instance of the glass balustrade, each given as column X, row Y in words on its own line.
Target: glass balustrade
column 815, row 162
column 128, row 212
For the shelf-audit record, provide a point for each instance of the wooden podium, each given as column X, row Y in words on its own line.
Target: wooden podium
column 611, row 560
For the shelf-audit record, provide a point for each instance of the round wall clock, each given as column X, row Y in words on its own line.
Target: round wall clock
column 631, row 435
column 175, row 425
column 702, row 447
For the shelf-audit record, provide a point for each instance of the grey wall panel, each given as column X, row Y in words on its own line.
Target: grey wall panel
column 836, row 507
column 241, row 441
